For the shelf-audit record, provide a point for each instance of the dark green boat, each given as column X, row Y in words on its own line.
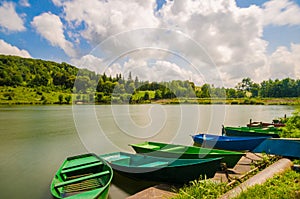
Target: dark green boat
column 82, row 176
column 186, row 152
column 251, row 131
column 157, row 169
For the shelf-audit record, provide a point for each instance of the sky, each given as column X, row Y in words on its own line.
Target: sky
column 212, row 41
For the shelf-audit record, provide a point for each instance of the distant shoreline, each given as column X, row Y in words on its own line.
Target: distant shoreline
column 201, row 101
column 44, row 96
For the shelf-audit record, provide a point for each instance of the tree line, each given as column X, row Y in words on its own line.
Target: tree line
column 88, row 86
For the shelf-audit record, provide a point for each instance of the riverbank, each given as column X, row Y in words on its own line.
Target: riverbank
column 25, row 95
column 233, row 101
column 223, row 182
column 286, row 185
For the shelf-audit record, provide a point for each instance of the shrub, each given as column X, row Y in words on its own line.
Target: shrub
column 292, row 126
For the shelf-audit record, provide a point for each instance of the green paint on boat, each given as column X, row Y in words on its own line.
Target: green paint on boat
column 251, row 131
column 82, row 176
column 158, row 169
column 158, row 149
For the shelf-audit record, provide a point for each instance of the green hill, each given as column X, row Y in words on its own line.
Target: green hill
column 33, row 81
column 17, row 71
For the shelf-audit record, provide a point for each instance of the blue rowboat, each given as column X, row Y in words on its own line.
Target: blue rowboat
column 286, row 147
column 228, row 142
column 157, row 169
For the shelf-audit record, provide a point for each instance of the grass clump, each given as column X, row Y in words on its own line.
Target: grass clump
column 296, row 161
column 198, row 189
column 283, row 186
column 265, row 161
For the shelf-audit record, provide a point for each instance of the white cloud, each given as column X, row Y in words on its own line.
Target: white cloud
column 105, row 18
column 231, row 36
column 50, row 27
column 9, row 18
column 8, row 49
column 89, row 62
column 158, row 71
column 97, row 65
column 283, row 12
column 285, row 63
column 24, row 3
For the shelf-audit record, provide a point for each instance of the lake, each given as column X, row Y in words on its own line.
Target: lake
column 34, row 140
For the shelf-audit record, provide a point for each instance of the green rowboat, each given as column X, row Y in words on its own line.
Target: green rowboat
column 82, row 176
column 186, row 152
column 157, row 169
column 251, row 131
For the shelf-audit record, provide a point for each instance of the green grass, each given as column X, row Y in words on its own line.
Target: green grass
column 282, row 186
column 296, row 161
column 25, row 95
column 210, row 189
column 198, row 189
column 140, row 95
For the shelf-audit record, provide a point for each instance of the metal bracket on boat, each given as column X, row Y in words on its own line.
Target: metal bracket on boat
column 223, row 130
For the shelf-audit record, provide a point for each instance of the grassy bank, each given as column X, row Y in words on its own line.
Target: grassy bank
column 210, row 189
column 286, row 185
column 233, row 101
column 281, row 186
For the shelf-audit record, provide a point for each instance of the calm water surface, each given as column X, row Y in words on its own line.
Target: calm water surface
column 34, row 140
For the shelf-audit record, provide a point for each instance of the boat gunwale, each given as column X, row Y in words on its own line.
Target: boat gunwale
column 205, row 150
column 169, row 160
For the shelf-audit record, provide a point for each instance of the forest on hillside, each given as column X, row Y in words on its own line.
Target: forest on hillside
column 58, row 82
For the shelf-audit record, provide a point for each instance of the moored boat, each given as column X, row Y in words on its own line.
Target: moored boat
column 275, row 123
column 186, row 152
column 286, row 147
column 250, row 131
column 170, row 170
column 228, row 142
column 82, row 176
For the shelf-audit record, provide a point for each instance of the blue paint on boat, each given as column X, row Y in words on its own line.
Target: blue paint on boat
column 280, row 146
column 233, row 143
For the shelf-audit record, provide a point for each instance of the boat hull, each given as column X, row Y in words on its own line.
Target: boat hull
column 228, row 142
column 166, row 170
column 157, row 149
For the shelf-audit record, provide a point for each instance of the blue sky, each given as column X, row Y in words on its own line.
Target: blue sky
column 276, row 35
column 66, row 31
